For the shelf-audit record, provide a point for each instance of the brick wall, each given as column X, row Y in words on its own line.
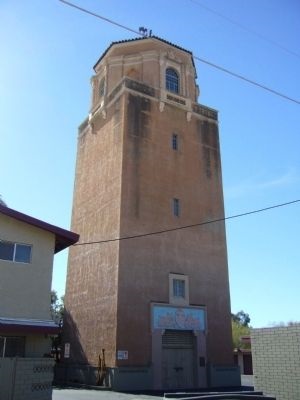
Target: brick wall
column 26, row 378
column 276, row 361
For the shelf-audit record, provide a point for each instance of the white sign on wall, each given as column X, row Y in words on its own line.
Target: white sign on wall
column 122, row 354
column 67, row 350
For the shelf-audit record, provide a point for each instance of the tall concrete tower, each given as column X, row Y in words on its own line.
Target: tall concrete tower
column 148, row 162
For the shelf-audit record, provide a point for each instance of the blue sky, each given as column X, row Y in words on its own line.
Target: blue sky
column 47, row 54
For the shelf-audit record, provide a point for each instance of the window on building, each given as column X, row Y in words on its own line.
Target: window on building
column 175, row 141
column 102, row 87
column 12, row 346
column 178, row 289
column 176, row 207
column 172, row 80
column 16, row 252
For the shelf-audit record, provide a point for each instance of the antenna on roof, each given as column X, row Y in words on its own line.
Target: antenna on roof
column 144, row 31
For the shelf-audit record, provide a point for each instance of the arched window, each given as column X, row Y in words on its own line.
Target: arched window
column 102, row 87
column 172, row 80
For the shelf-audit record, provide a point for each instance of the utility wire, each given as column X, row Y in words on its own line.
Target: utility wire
column 245, row 28
column 234, row 74
column 214, row 66
column 100, row 17
column 243, row 78
column 188, row 226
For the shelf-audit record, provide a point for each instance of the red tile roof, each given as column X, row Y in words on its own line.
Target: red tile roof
column 142, row 38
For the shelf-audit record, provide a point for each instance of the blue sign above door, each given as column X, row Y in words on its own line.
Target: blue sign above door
column 181, row 318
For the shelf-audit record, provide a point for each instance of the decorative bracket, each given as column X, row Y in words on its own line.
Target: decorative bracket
column 161, row 106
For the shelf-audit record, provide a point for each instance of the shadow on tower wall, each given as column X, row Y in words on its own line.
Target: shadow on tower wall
column 74, row 368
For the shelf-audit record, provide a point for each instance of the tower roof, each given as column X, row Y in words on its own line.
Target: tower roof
column 139, row 39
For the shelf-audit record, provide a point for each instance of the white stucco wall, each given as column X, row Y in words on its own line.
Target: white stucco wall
column 25, row 288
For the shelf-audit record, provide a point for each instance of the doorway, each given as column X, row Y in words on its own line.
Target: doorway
column 178, row 359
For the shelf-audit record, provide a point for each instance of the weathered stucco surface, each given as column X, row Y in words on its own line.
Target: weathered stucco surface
column 127, row 175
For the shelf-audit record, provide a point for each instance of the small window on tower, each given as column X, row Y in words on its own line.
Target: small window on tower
column 176, row 207
column 102, row 87
column 175, row 141
column 178, row 289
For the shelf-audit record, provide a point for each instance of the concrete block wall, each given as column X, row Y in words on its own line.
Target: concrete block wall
column 6, row 378
column 276, row 361
column 29, row 379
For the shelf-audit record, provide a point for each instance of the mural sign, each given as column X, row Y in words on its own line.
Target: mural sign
column 181, row 318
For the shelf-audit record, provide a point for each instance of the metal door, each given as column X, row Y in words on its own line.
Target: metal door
column 248, row 370
column 178, row 360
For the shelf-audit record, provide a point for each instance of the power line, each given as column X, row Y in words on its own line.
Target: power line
column 214, row 66
column 100, row 17
column 188, row 226
column 227, row 71
column 234, row 74
column 245, row 28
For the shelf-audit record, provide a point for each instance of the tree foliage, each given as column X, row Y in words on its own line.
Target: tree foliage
column 240, row 327
column 57, row 307
column 2, row 202
column 57, row 313
column 241, row 318
column 281, row 324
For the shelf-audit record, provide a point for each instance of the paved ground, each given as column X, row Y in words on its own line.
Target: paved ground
column 84, row 394
column 87, row 394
